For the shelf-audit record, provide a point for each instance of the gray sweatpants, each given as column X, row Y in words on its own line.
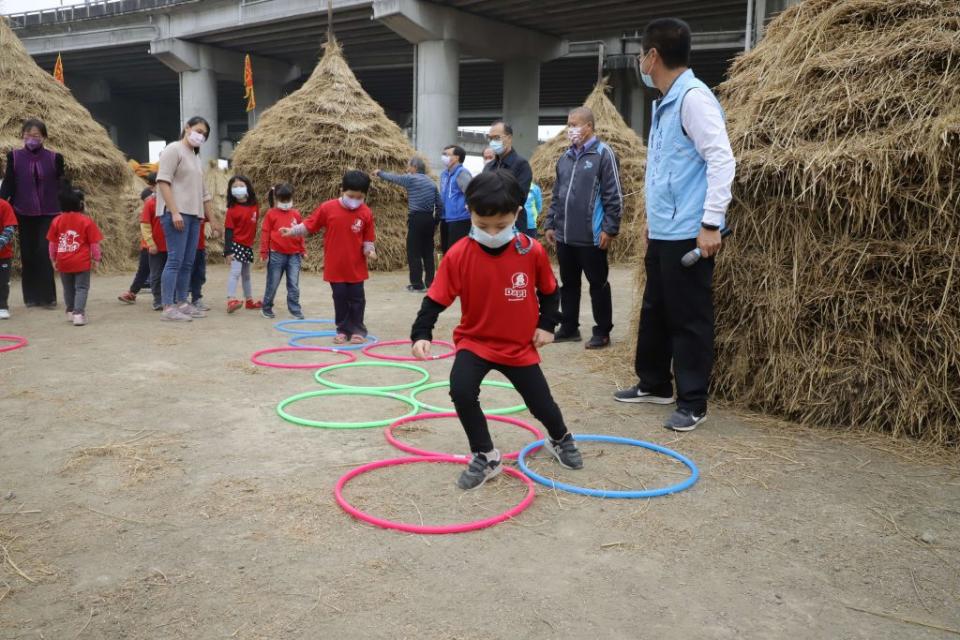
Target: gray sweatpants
column 76, row 286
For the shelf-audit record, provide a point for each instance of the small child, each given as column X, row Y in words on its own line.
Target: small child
column 142, row 278
column 243, row 212
column 283, row 254
column 8, row 224
column 199, row 274
column 347, row 244
column 499, row 275
column 74, row 250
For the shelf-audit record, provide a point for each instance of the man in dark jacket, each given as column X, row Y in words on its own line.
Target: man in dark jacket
column 501, row 141
column 583, row 220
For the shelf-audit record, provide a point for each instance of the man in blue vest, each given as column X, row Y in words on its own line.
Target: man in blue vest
column 690, row 168
column 583, row 220
column 453, row 184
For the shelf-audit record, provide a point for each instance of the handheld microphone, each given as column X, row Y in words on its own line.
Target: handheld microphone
column 692, row 257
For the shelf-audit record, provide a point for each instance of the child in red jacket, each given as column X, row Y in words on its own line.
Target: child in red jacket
column 240, row 227
column 74, row 250
column 347, row 245
column 282, row 253
column 8, row 224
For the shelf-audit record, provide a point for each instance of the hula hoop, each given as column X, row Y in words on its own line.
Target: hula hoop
column 295, row 341
column 368, row 351
column 428, row 529
column 392, row 387
column 503, row 411
column 18, row 343
column 284, row 326
column 255, row 358
column 403, row 446
column 323, row 424
column 599, row 493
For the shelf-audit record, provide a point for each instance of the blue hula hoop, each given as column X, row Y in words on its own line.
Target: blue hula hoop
column 599, row 493
column 295, row 341
column 284, row 325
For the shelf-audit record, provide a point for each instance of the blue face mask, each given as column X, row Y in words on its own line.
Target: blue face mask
column 497, row 146
column 493, row 241
column 646, row 77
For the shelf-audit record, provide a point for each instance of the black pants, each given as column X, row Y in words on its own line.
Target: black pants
column 157, row 262
column 5, row 282
column 420, row 248
column 676, row 324
column 37, row 275
column 198, row 276
column 349, row 303
column 468, row 372
column 591, row 261
column 455, row 231
column 142, row 278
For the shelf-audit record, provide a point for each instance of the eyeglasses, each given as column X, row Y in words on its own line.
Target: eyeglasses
column 492, row 138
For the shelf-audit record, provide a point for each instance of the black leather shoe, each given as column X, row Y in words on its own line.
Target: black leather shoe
column 598, row 342
column 565, row 335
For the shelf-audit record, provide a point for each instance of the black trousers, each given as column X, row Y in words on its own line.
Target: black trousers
column 591, row 261
column 157, row 262
column 349, row 304
column 468, row 372
column 5, row 269
column 455, row 231
column 37, row 280
column 420, row 248
column 142, row 278
column 676, row 324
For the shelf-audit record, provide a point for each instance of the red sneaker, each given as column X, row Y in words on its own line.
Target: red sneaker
column 233, row 305
column 253, row 304
column 127, row 297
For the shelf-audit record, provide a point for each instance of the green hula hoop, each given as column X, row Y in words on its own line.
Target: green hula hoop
column 392, row 387
column 323, row 424
column 486, row 383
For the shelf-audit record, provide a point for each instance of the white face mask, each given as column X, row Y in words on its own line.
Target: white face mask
column 195, row 139
column 285, row 206
column 574, row 134
column 350, row 203
column 493, row 241
column 446, row 160
column 240, row 193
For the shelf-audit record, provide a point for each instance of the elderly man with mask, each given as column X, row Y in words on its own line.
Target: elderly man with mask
column 424, row 206
column 501, row 141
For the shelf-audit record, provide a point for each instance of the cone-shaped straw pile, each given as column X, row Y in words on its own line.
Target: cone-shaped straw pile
column 93, row 162
column 837, row 299
column 311, row 137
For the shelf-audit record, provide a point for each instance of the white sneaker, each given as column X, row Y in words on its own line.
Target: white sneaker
column 70, row 317
column 173, row 315
column 4, row 314
column 188, row 309
column 79, row 319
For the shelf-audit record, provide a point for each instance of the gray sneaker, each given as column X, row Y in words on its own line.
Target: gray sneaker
column 565, row 451
column 479, row 471
column 636, row 394
column 188, row 309
column 684, row 420
column 174, row 314
column 200, row 304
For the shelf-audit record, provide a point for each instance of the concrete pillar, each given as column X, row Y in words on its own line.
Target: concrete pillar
column 637, row 113
column 521, row 102
column 198, row 97
column 268, row 93
column 437, row 82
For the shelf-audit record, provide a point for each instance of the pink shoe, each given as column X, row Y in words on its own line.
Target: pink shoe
column 79, row 319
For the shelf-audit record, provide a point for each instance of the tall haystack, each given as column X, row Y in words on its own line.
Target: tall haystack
column 93, row 162
column 837, row 300
column 632, row 154
column 326, row 127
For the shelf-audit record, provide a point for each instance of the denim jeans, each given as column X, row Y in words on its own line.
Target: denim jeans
column 198, row 276
column 181, row 253
column 278, row 265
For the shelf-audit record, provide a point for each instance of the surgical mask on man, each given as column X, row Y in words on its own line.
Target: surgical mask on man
column 646, row 77
column 446, row 160
column 497, row 146
column 285, row 206
column 195, row 138
column 240, row 193
column 351, row 203
column 493, row 241
column 574, row 134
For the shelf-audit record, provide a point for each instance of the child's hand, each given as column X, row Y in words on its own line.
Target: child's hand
column 542, row 338
column 371, row 255
column 152, row 251
column 421, row 349
column 286, row 232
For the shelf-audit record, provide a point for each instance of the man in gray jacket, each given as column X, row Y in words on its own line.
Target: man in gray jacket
column 583, row 220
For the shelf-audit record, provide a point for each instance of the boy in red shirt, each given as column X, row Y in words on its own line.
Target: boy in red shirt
column 8, row 224
column 240, row 228
column 142, row 278
column 282, row 253
column 509, row 302
column 347, row 244
column 74, row 249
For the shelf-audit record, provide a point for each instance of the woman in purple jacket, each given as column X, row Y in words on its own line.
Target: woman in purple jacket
column 30, row 184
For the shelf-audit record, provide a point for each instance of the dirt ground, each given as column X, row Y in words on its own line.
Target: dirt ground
column 148, row 490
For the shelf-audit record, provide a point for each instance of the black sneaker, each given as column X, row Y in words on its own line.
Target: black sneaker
column 684, row 420
column 412, row 288
column 565, row 451
column 479, row 471
column 566, row 335
column 636, row 394
column 597, row 342
column 268, row 314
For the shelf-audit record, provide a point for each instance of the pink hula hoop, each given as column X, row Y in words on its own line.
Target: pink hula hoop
column 403, row 446
column 255, row 358
column 428, row 529
column 18, row 343
column 368, row 351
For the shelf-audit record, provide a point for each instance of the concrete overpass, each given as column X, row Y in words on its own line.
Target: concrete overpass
column 142, row 66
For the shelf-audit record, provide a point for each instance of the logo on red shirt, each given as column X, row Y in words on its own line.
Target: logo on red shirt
column 68, row 242
column 357, row 226
column 518, row 287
